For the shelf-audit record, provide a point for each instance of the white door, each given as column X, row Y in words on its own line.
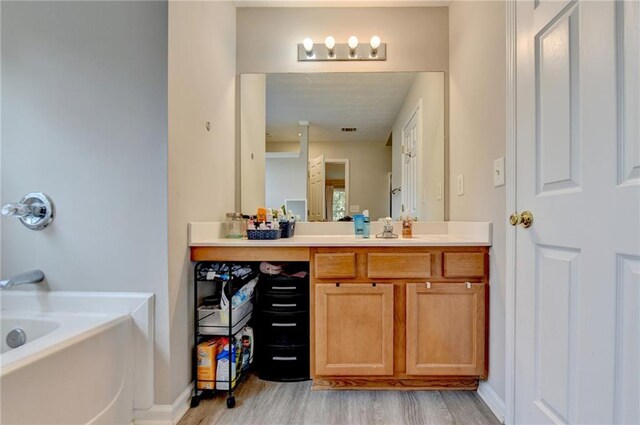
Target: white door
column 578, row 172
column 316, row 189
column 410, row 158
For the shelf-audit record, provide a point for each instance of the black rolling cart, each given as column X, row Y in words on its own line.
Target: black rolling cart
column 217, row 322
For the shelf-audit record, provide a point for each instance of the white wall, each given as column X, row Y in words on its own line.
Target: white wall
column 417, row 38
column 84, row 114
column 477, row 137
column 201, row 163
column 253, row 125
column 286, row 178
column 369, row 165
column 427, row 91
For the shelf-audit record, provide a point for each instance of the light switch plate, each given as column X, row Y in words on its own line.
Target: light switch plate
column 460, row 184
column 354, row 208
column 439, row 191
column 498, row 172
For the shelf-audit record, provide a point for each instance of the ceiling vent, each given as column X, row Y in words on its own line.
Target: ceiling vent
column 349, row 129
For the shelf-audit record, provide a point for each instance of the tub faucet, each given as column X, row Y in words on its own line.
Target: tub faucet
column 33, row 276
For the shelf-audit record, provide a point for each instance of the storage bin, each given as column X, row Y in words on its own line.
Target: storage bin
column 265, row 234
column 288, row 228
column 215, row 321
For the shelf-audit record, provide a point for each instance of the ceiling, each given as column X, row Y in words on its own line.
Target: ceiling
column 329, row 101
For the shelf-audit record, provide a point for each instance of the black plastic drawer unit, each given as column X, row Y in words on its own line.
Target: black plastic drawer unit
column 282, row 337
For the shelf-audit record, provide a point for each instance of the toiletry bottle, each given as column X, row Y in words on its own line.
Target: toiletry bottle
column 262, row 215
column 358, row 225
column 366, row 224
column 407, row 225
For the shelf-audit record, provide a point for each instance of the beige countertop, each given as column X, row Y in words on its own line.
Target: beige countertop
column 444, row 233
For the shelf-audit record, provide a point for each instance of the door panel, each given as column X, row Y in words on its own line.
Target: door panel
column 556, row 304
column 445, row 329
column 628, row 32
column 627, row 408
column 557, row 112
column 354, row 329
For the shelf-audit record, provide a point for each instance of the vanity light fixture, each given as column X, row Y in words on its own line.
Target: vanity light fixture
column 307, row 43
column 353, row 50
column 375, row 44
column 353, row 44
column 330, row 44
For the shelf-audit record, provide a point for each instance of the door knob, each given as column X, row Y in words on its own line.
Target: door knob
column 525, row 219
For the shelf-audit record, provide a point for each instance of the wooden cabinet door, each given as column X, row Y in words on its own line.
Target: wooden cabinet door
column 446, row 329
column 354, row 329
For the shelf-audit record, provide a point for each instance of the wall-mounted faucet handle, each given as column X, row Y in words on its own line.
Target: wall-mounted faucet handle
column 35, row 210
column 16, row 210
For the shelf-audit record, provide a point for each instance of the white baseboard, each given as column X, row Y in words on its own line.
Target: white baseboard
column 165, row 414
column 492, row 399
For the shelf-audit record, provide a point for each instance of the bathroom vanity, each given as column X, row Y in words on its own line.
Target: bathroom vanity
column 384, row 313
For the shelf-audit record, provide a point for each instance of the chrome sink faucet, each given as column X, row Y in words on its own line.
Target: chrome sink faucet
column 31, row 277
column 387, row 231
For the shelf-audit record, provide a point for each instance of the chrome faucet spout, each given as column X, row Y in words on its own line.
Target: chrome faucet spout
column 31, row 277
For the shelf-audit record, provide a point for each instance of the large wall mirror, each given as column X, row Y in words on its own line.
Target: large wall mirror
column 330, row 145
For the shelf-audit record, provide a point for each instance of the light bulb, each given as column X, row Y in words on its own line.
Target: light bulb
column 353, row 42
column 308, row 45
column 375, row 42
column 330, row 42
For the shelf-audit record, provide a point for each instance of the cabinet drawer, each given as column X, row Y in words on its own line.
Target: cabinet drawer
column 464, row 264
column 290, row 303
column 284, row 284
column 335, row 265
column 284, row 363
column 284, row 329
column 398, row 265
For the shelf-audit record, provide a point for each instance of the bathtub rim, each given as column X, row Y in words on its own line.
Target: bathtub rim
column 139, row 305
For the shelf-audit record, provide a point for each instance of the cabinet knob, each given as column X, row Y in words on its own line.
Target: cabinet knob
column 428, row 285
column 468, row 285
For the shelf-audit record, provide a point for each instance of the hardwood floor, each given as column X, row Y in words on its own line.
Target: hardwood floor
column 270, row 403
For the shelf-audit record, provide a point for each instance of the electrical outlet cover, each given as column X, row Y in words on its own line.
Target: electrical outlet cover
column 460, row 184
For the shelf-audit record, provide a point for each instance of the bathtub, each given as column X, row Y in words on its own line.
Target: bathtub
column 88, row 357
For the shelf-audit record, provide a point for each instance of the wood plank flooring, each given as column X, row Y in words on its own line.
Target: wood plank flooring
column 270, row 403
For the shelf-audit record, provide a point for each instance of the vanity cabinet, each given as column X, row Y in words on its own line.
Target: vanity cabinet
column 446, row 328
column 354, row 329
column 387, row 317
